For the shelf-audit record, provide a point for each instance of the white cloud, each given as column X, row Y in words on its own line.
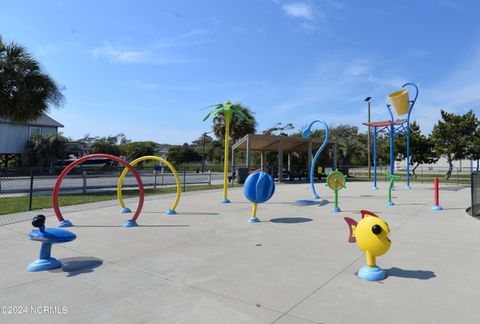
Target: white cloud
column 311, row 15
column 221, row 86
column 299, row 10
column 153, row 54
column 122, row 55
column 336, row 88
column 335, row 91
column 190, row 38
column 456, row 92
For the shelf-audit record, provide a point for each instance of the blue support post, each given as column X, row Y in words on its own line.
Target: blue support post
column 392, row 150
column 375, row 158
column 408, row 156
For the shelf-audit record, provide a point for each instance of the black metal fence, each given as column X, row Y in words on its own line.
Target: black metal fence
column 25, row 189
column 423, row 174
column 475, row 189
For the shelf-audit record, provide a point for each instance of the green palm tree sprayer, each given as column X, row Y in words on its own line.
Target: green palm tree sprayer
column 228, row 110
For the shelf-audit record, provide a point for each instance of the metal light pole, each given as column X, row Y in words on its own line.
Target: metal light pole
column 368, row 139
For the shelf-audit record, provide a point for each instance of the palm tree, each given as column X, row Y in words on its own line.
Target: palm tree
column 25, row 90
column 45, row 150
column 228, row 112
column 238, row 127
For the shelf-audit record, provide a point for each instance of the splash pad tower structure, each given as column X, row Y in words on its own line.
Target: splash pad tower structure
column 399, row 123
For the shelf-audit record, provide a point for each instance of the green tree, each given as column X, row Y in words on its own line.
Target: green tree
column 105, row 145
column 422, row 148
column 190, row 154
column 25, row 90
column 279, row 127
column 134, row 150
column 174, row 154
column 185, row 153
column 214, row 151
column 202, row 143
column 352, row 146
column 239, row 127
column 44, row 151
column 473, row 147
column 452, row 136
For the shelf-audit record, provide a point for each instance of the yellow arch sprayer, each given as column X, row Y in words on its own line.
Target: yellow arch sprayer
column 170, row 211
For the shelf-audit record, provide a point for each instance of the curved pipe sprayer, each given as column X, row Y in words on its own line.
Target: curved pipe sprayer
column 305, row 134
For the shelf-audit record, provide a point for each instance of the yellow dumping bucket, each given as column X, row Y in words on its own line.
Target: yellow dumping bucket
column 400, row 102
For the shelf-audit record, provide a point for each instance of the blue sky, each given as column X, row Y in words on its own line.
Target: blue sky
column 147, row 68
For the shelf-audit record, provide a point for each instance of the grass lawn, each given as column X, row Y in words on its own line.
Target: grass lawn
column 10, row 205
column 421, row 178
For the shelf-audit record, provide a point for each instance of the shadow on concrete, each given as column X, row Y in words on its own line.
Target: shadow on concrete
column 323, row 202
column 78, row 265
column 179, row 213
column 160, row 212
column 307, row 202
column 291, row 220
column 411, row 274
column 412, row 204
column 139, row 225
column 249, row 203
column 196, row 213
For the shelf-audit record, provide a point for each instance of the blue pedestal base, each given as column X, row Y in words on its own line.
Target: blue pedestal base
column 171, row 212
column 225, row 201
column 390, row 203
column 44, row 264
column 253, row 220
column 371, row 274
column 125, row 210
column 130, row 223
column 375, row 188
column 65, row 223
column 336, row 209
column 408, row 187
column 315, row 196
column 437, row 207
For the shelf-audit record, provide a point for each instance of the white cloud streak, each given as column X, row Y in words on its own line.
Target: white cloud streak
column 299, row 10
column 121, row 55
column 153, row 54
column 336, row 88
column 312, row 16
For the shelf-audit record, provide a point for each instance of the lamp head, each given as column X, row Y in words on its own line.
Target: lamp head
column 306, row 133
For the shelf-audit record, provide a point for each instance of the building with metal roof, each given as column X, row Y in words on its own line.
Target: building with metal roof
column 14, row 136
column 281, row 144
